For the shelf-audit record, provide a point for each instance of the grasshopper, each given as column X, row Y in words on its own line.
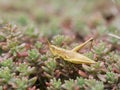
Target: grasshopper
column 71, row 55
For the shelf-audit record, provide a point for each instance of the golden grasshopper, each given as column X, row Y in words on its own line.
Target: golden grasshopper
column 71, row 55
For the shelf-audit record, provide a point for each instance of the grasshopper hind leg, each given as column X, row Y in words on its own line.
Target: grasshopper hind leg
column 77, row 48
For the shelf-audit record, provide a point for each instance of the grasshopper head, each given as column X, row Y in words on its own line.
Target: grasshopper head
column 55, row 50
column 51, row 47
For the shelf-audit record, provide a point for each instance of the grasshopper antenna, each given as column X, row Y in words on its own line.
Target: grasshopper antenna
column 48, row 42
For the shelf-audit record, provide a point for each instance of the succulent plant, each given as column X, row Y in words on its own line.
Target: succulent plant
column 26, row 62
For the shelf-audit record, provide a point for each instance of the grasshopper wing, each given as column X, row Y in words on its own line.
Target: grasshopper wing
column 77, row 58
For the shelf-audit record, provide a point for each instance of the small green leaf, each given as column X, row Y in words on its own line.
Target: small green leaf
column 7, row 63
column 111, row 77
column 33, row 55
column 5, row 74
column 94, row 85
column 32, row 81
column 69, row 84
column 38, row 44
column 55, row 84
column 80, row 81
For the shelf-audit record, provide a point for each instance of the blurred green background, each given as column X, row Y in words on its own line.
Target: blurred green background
column 52, row 17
